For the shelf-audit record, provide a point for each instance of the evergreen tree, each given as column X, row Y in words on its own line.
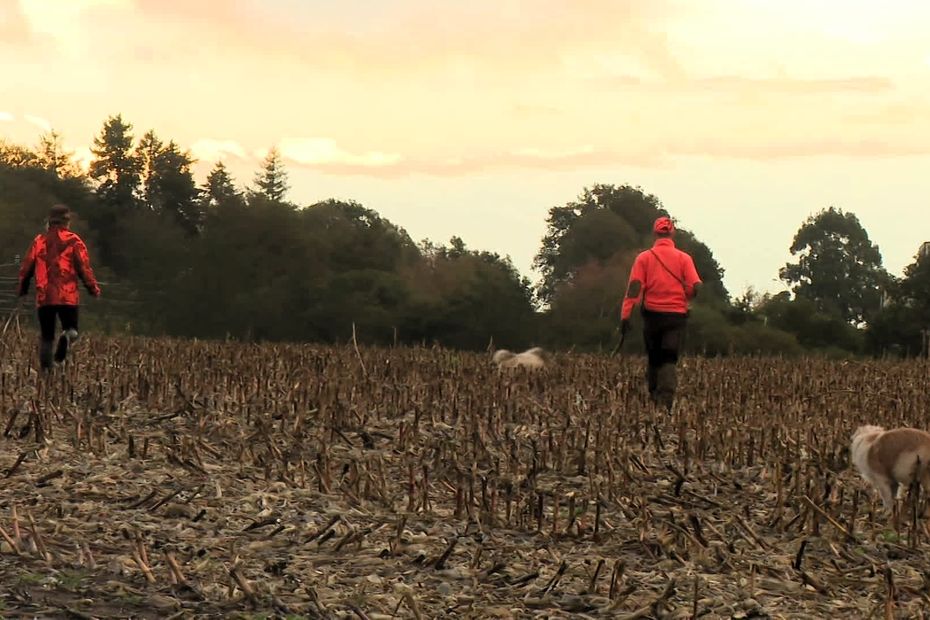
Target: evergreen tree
column 16, row 156
column 52, row 156
column 115, row 167
column 147, row 153
column 220, row 189
column 272, row 178
column 168, row 182
column 177, row 189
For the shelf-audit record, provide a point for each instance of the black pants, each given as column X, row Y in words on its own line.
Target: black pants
column 48, row 316
column 664, row 336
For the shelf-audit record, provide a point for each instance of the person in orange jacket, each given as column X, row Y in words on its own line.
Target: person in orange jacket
column 663, row 280
column 57, row 258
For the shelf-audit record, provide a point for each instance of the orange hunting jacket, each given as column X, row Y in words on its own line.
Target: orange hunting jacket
column 665, row 288
column 57, row 259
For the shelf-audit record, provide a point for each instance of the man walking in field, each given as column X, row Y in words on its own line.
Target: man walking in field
column 664, row 279
column 57, row 259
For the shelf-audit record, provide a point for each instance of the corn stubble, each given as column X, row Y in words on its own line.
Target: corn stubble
column 167, row 478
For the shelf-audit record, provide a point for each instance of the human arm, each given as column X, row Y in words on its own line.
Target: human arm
column 692, row 281
column 27, row 269
column 85, row 271
column 634, row 290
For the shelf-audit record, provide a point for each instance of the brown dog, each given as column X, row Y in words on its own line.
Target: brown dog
column 890, row 458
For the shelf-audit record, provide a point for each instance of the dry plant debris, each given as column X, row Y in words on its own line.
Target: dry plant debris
column 168, row 479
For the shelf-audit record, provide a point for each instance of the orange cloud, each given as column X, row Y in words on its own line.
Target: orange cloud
column 897, row 113
column 208, row 149
column 795, row 86
column 417, row 35
column 38, row 121
column 313, row 152
column 463, row 88
column 529, row 159
column 14, row 29
column 738, row 84
column 529, row 109
column 815, row 147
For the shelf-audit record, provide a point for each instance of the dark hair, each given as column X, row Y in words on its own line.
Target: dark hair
column 59, row 215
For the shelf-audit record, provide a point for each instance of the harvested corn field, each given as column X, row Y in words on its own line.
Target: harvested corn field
column 162, row 478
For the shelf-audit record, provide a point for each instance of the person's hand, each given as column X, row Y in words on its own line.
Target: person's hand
column 624, row 326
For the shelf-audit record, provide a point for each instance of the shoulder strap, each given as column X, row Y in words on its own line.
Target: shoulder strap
column 680, row 279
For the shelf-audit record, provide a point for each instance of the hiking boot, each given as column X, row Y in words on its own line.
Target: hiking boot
column 651, row 378
column 666, row 382
column 67, row 337
column 45, row 354
column 651, row 382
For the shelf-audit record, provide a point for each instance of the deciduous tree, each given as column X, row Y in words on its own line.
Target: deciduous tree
column 838, row 267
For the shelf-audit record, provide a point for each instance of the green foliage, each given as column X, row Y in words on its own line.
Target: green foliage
column 813, row 328
column 355, row 237
column 839, row 269
column 586, row 257
column 586, row 311
column 604, row 221
column 711, row 333
column 897, row 329
column 914, row 289
column 465, row 299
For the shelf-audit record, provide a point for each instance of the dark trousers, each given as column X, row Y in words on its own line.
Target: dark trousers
column 48, row 317
column 664, row 336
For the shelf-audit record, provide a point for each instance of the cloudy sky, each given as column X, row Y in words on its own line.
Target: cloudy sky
column 474, row 118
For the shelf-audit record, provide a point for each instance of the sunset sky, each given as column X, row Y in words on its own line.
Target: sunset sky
column 475, row 117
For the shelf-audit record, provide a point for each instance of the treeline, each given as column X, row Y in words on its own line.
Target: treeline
column 221, row 260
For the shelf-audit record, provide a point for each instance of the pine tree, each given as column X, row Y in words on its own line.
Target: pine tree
column 177, row 189
column 115, row 166
column 272, row 178
column 16, row 156
column 52, row 156
column 220, row 190
column 148, row 152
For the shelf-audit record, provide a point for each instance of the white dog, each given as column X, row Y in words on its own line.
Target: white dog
column 531, row 358
column 886, row 459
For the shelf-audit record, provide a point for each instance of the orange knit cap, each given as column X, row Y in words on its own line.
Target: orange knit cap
column 663, row 226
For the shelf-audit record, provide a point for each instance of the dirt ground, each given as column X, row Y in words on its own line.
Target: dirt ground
column 170, row 479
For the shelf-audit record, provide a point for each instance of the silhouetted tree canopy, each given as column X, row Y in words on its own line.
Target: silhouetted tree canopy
column 220, row 260
column 271, row 180
column 838, row 267
column 605, row 221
